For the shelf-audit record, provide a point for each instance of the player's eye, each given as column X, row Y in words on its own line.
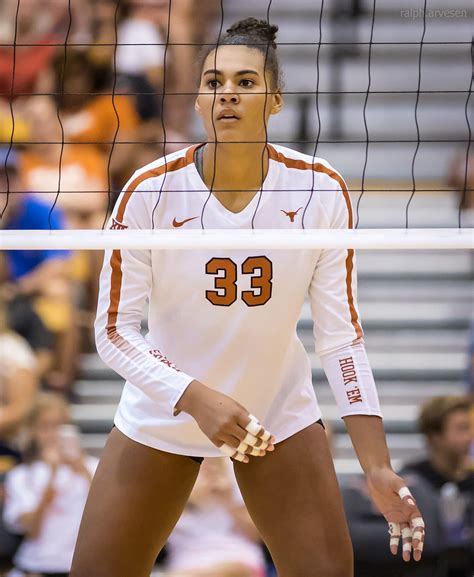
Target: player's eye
column 246, row 82
column 212, row 84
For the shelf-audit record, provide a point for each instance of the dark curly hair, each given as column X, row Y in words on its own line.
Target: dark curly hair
column 255, row 34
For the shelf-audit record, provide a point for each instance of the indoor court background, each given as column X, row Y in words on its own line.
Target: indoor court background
column 382, row 90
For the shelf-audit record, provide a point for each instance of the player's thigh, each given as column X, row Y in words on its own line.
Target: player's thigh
column 136, row 497
column 293, row 497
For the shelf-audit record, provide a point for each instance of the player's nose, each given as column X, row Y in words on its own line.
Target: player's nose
column 229, row 98
column 229, row 94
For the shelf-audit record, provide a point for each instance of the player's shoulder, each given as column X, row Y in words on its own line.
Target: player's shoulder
column 294, row 159
column 147, row 176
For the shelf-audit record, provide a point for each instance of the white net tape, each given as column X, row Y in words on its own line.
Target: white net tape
column 374, row 239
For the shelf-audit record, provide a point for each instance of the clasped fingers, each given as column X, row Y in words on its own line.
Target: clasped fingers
column 251, row 440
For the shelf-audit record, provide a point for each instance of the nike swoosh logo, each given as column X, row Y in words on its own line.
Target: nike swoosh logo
column 177, row 223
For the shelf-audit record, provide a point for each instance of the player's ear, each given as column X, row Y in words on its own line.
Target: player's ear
column 197, row 106
column 277, row 103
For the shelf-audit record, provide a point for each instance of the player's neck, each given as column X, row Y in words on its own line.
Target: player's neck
column 233, row 167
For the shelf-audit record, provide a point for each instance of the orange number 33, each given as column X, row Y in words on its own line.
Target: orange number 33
column 261, row 269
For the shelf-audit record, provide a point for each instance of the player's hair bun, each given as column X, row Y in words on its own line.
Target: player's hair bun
column 257, row 35
column 255, row 29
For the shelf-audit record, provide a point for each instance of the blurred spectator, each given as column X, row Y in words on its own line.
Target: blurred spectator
column 25, row 321
column 37, row 26
column 144, row 27
column 91, row 116
column 88, row 115
column 139, row 58
column 215, row 536
column 77, row 171
column 443, row 486
column 45, row 496
column 18, row 386
column 447, row 470
column 102, row 27
column 188, row 24
column 17, row 132
column 40, row 275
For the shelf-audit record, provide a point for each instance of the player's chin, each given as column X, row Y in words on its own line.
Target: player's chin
column 229, row 134
column 240, row 134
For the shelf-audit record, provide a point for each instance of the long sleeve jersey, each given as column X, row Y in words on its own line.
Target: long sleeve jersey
column 228, row 318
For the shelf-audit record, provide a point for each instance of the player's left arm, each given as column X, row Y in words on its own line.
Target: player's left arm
column 340, row 346
column 387, row 490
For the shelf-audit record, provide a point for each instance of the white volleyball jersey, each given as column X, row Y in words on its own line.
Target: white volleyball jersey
column 226, row 317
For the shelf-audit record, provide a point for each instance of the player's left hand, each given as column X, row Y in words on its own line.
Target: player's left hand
column 393, row 499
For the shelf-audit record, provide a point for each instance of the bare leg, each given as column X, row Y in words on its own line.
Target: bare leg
column 136, row 498
column 227, row 570
column 293, row 497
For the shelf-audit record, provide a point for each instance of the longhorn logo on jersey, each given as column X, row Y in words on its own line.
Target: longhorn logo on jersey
column 291, row 215
column 116, row 225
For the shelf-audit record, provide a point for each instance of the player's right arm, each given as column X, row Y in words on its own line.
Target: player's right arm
column 125, row 285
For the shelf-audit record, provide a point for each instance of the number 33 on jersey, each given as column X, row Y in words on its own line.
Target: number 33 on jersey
column 260, row 269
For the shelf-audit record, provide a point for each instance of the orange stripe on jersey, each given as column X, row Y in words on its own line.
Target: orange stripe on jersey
column 116, row 258
column 318, row 167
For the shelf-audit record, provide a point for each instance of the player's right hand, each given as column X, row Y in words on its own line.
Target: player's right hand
column 226, row 422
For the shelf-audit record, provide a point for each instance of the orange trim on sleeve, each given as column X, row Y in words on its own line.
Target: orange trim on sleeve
column 116, row 257
column 318, row 167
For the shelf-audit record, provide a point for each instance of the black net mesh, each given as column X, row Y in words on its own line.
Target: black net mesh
column 380, row 91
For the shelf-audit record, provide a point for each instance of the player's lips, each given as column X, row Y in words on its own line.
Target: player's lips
column 228, row 115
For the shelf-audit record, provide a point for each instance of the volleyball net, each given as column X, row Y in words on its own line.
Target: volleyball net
column 381, row 91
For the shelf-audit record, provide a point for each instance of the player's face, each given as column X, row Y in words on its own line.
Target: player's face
column 455, row 439
column 236, row 98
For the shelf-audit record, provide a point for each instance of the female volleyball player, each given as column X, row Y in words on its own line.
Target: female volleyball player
column 221, row 369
